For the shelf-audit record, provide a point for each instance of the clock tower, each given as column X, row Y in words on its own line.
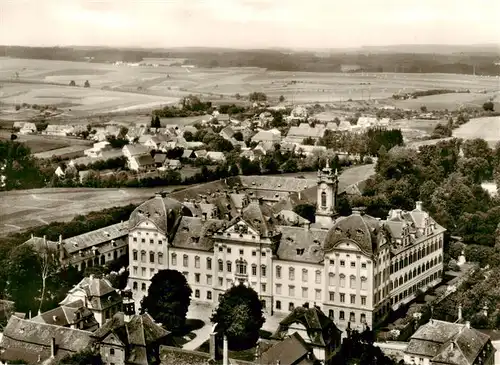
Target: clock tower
column 327, row 196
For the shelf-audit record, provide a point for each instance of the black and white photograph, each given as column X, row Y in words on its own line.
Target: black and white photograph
column 237, row 182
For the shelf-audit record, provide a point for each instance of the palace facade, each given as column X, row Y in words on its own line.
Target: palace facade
column 354, row 268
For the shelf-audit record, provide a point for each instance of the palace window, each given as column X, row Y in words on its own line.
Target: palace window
column 342, row 280
column 209, row 263
column 254, row 270
column 134, row 255
column 151, row 257
column 304, row 275
column 352, row 282
column 185, row 260
column 143, row 256
column 263, row 270
column 323, row 199
column 174, row 259
column 229, row 266
column 291, row 273
column 278, row 272
column 197, row 262
column 221, row 266
column 241, row 267
column 331, row 279
column 318, row 277
column 160, row 258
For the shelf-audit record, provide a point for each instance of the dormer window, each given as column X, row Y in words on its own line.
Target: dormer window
column 185, row 229
column 300, row 251
column 338, row 231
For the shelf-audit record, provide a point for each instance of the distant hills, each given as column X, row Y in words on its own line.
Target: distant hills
column 478, row 59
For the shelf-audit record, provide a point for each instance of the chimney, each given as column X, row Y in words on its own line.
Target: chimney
column 32, row 235
column 60, row 238
column 307, row 226
column 300, row 198
column 459, row 312
column 467, row 324
column 44, row 239
column 91, row 276
column 225, row 359
column 418, row 205
column 53, row 347
column 452, row 345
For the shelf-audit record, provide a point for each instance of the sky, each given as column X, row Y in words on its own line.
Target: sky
column 248, row 23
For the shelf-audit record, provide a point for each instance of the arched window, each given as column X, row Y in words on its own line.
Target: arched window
column 331, row 279
column 414, row 272
column 291, row 273
column 229, row 266
column 318, row 277
column 363, row 318
column 197, row 262
column 134, row 255
column 143, row 287
column 143, row 256
column 364, row 283
column 304, row 275
column 221, row 265
column 342, row 280
column 263, row 270
column 209, row 263
column 323, row 199
column 278, row 305
column 254, row 269
column 352, row 281
column 352, row 317
column 341, row 315
column 400, row 280
column 151, row 257
column 278, row 272
column 241, row 267
column 174, row 259
column 134, row 285
column 406, row 278
column 185, row 260
column 160, row 258
column 409, row 275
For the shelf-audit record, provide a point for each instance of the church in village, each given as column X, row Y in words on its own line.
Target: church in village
column 354, row 268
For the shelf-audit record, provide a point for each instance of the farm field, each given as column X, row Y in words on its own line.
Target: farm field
column 487, row 128
column 125, row 88
column 348, row 177
column 451, row 101
column 41, row 144
column 29, row 208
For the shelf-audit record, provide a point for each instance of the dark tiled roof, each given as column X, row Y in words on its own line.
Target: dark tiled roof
column 276, row 183
column 319, row 327
column 28, row 339
column 173, row 356
column 136, row 149
column 301, row 245
column 290, row 351
column 141, row 331
column 94, row 238
column 160, row 157
column 66, row 315
column 361, row 229
column 162, row 211
column 145, row 160
column 253, row 215
column 197, row 234
column 447, row 343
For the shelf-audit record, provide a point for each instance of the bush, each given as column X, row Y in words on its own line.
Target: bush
column 489, row 106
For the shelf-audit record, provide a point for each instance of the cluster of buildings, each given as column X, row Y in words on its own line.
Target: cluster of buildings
column 324, row 277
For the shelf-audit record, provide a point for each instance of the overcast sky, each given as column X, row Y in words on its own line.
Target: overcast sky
column 249, row 23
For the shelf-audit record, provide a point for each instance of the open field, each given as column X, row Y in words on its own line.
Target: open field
column 348, row 177
column 29, row 208
column 487, row 128
column 42, row 143
column 451, row 101
column 125, row 88
column 415, row 129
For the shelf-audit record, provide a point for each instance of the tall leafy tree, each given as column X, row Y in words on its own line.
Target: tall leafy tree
column 239, row 316
column 168, row 299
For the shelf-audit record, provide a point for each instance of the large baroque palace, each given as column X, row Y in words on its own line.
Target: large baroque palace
column 354, row 268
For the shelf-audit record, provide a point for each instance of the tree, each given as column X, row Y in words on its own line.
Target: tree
column 307, row 211
column 257, row 96
column 309, row 141
column 47, row 262
column 85, row 357
column 168, row 299
column 489, row 106
column 155, row 121
column 72, row 83
column 188, row 136
column 282, row 98
column 87, row 83
column 123, row 132
column 238, row 136
column 239, row 316
column 13, row 137
column 423, row 109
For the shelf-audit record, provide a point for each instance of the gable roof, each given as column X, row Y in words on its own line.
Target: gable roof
column 144, row 160
column 135, row 149
column 94, row 238
column 66, row 315
column 26, row 340
column 137, row 334
column 320, row 329
column 253, row 215
column 447, row 343
column 301, row 245
column 290, row 351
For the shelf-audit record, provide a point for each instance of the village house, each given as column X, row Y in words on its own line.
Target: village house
column 97, row 149
column 154, row 142
column 308, row 150
column 160, row 159
column 188, row 154
column 440, row 342
column 98, row 295
column 303, row 131
column 142, row 163
column 292, row 350
column 135, row 133
column 27, row 128
column 73, row 315
column 227, row 133
column 172, row 164
column 58, row 130
column 266, row 136
column 35, row 342
column 252, row 155
column 131, row 150
column 315, row 328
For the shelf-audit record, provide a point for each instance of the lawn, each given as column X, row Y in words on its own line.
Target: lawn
column 452, row 101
